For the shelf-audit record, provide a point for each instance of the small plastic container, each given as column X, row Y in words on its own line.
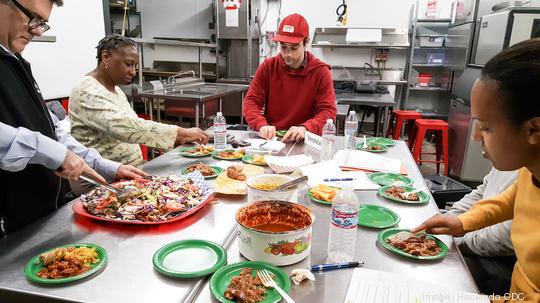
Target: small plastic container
column 424, row 80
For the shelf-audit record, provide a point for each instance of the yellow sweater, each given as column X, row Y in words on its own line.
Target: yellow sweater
column 521, row 201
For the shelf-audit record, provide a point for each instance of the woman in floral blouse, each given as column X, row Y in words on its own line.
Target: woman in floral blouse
column 102, row 118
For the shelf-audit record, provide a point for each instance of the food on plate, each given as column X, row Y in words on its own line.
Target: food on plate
column 397, row 192
column 204, row 169
column 150, row 199
column 200, row 150
column 274, row 217
column 265, row 186
column 375, row 147
column 258, row 159
column 231, row 154
column 67, row 262
column 235, row 173
column 416, row 245
column 228, row 182
column 324, row 192
column 300, row 274
column 245, row 288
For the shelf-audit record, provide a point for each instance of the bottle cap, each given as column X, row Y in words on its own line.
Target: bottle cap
column 219, row 114
column 329, row 121
column 352, row 112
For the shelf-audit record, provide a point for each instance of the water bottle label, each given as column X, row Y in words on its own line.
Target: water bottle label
column 219, row 127
column 346, row 220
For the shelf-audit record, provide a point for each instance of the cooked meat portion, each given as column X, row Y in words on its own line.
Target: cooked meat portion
column 204, row 169
column 245, row 288
column 235, row 173
column 397, row 192
column 416, row 245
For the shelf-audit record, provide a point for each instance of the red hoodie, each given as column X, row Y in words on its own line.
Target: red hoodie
column 294, row 97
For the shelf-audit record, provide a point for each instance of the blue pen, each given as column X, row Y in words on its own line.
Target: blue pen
column 323, row 267
column 337, row 179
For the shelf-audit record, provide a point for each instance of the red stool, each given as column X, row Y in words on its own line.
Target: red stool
column 441, row 128
column 397, row 120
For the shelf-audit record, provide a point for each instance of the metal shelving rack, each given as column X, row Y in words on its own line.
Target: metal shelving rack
column 433, row 98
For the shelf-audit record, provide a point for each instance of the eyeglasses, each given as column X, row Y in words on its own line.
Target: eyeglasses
column 34, row 22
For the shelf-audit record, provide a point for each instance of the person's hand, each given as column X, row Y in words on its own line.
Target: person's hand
column 129, row 172
column 295, row 133
column 73, row 166
column 441, row 224
column 194, row 134
column 268, row 132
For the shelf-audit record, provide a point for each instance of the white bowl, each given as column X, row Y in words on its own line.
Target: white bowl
column 276, row 247
column 255, row 194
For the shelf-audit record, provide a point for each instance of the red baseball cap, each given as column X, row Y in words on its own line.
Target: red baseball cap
column 293, row 29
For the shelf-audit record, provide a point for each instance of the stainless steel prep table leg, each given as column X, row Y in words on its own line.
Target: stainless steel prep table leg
column 204, row 112
column 196, row 114
column 385, row 120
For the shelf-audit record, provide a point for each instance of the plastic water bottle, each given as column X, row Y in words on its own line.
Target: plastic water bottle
column 220, row 131
column 351, row 126
column 344, row 217
column 328, row 138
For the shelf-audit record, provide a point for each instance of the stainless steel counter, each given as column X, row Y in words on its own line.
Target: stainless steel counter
column 382, row 101
column 129, row 275
column 195, row 94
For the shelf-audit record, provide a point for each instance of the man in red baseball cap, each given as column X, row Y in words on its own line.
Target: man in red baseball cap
column 293, row 90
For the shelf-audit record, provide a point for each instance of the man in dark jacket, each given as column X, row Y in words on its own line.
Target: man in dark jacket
column 34, row 155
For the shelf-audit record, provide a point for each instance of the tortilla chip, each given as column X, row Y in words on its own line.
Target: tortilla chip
column 324, row 192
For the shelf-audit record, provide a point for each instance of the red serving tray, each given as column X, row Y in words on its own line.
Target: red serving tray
column 79, row 209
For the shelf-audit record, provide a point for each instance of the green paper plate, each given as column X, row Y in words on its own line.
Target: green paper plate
column 380, row 141
column 375, row 216
column 310, row 195
column 249, row 160
column 216, row 169
column 424, row 197
column 34, row 266
column 189, row 258
column 226, row 159
column 221, row 278
column 387, row 233
column 183, row 153
column 382, row 150
column 281, row 133
column 384, row 179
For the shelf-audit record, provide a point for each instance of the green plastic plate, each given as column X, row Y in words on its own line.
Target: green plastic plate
column 215, row 155
column 382, row 150
column 310, row 195
column 384, row 179
column 380, row 141
column 34, row 266
column 424, row 197
column 281, row 133
column 375, row 216
column 189, row 258
column 387, row 233
column 216, row 169
column 183, row 152
column 249, row 160
column 221, row 278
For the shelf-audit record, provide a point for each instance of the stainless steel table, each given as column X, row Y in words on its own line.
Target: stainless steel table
column 381, row 101
column 129, row 275
column 332, row 286
column 196, row 94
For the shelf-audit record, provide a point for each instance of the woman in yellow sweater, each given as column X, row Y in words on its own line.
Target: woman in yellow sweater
column 506, row 112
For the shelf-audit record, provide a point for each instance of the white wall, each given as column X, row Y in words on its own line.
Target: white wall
column 78, row 26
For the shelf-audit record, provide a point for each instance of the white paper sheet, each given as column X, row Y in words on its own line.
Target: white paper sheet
column 375, row 286
column 329, row 169
column 365, row 160
column 231, row 17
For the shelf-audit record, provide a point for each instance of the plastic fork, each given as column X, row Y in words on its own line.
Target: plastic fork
column 364, row 145
column 268, row 281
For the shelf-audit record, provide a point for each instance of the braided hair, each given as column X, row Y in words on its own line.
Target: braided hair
column 112, row 42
